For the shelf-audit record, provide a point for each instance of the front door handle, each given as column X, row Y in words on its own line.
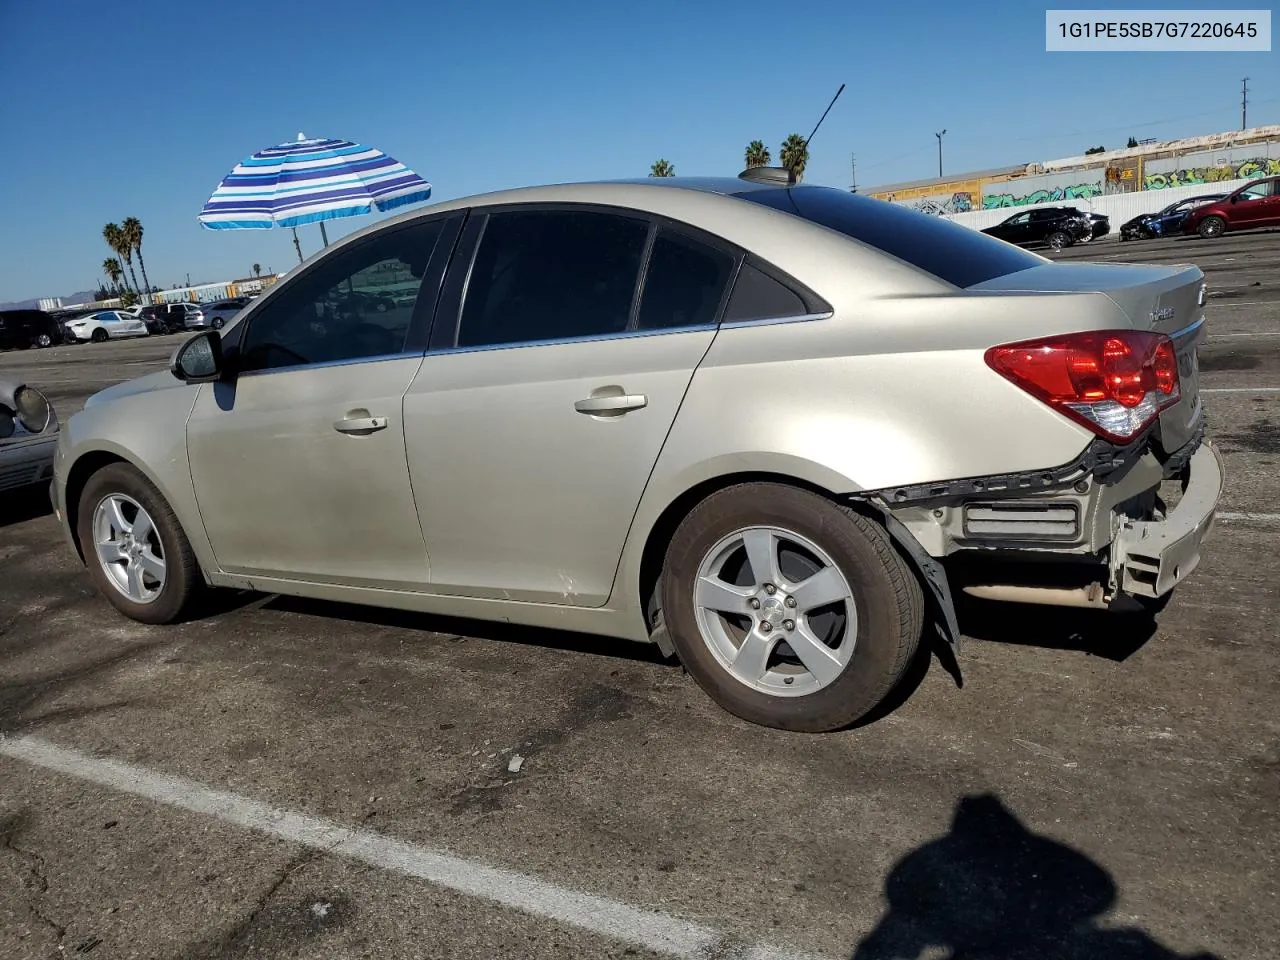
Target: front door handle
column 612, row 404
column 360, row 424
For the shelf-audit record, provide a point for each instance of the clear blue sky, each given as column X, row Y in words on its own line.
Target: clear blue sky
column 140, row 108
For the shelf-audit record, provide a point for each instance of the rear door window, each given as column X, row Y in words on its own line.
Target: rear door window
column 685, row 282
column 551, row 275
column 954, row 254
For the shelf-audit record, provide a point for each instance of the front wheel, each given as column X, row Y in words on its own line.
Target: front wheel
column 217, row 323
column 99, row 336
column 135, row 549
column 789, row 610
column 1212, row 227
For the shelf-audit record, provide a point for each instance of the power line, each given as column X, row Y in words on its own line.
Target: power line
column 1133, row 126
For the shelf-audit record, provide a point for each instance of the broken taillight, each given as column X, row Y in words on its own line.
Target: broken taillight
column 1115, row 382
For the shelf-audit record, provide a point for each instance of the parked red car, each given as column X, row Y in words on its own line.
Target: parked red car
column 1254, row 205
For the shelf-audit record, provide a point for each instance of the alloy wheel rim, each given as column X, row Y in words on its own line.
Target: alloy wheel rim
column 775, row 611
column 129, row 548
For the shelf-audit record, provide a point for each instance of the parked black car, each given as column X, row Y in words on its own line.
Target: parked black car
column 1053, row 227
column 1166, row 222
column 170, row 317
column 156, row 317
column 21, row 329
column 1099, row 224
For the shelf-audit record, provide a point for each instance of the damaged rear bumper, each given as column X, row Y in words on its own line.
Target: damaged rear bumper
column 1150, row 557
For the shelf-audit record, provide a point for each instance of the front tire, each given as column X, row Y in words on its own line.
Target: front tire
column 789, row 610
column 137, row 554
column 100, row 336
column 1212, row 227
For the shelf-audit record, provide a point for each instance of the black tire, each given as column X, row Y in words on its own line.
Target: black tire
column 182, row 573
column 217, row 323
column 100, row 336
column 1058, row 239
column 888, row 597
column 43, row 340
column 1211, row 228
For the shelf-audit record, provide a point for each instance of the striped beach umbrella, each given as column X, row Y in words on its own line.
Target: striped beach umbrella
column 310, row 181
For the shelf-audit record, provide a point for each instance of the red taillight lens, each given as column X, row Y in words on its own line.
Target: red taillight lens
column 1113, row 381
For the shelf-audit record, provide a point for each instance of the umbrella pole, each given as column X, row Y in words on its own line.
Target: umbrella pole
column 324, row 236
column 296, row 245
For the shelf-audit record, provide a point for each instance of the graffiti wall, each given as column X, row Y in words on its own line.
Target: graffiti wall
column 1046, row 188
column 1188, row 176
column 959, row 202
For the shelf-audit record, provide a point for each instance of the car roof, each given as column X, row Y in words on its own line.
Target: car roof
column 636, row 192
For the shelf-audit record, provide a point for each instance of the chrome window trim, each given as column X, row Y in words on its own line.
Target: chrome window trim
column 561, row 341
column 773, row 321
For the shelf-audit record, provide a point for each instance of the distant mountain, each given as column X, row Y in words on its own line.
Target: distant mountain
column 80, row 296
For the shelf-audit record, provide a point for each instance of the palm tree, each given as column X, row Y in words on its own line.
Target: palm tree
column 132, row 230
column 115, row 240
column 257, row 270
column 662, row 168
column 111, row 267
column 795, row 154
column 757, row 154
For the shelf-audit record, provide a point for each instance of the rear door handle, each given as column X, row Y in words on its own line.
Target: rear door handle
column 615, row 404
column 360, row 424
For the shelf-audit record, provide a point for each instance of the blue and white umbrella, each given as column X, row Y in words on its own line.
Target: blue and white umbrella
column 310, row 181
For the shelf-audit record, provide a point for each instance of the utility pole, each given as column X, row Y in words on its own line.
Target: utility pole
column 853, row 183
column 1244, row 103
column 940, row 136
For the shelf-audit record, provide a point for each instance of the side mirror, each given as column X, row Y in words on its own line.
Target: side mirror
column 1235, row 198
column 199, row 360
column 7, row 426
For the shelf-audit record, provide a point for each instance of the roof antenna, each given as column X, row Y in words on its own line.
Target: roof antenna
column 823, row 117
column 785, row 176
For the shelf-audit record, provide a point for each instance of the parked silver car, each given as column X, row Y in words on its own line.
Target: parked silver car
column 746, row 421
column 28, row 435
column 220, row 312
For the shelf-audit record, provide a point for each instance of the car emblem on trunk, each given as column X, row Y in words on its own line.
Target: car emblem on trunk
column 1162, row 313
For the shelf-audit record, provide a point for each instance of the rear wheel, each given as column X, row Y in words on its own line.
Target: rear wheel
column 99, row 336
column 134, row 547
column 1212, row 227
column 44, row 340
column 789, row 610
column 1058, row 239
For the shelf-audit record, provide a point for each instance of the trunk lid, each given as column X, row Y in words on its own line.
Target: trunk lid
column 1164, row 299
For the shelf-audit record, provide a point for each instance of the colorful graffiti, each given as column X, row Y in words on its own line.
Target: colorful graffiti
column 1244, row 170
column 959, row 202
column 1076, row 191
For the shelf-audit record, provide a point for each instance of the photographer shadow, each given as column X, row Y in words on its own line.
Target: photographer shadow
column 993, row 890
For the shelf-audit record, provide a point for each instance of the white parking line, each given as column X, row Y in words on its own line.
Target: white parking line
column 1248, row 517
column 1241, row 390
column 1232, row 336
column 660, row 932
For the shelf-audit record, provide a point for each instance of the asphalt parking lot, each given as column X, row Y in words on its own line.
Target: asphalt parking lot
column 295, row 779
